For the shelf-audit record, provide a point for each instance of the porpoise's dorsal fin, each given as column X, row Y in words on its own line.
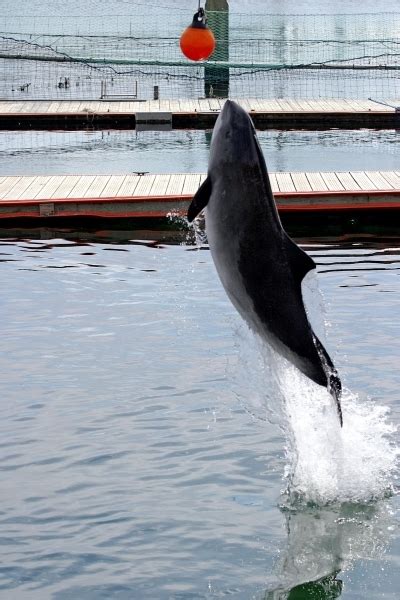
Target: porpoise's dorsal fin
column 200, row 200
column 300, row 262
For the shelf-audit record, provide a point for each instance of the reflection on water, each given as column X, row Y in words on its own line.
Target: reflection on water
column 323, row 542
column 380, row 230
column 327, row 588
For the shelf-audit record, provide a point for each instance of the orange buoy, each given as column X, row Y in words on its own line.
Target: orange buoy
column 197, row 41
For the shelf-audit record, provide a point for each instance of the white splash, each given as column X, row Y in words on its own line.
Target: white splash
column 326, row 464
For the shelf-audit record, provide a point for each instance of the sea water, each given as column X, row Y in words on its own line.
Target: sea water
column 150, row 448
column 116, row 152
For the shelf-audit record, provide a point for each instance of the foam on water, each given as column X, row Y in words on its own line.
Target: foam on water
column 325, row 463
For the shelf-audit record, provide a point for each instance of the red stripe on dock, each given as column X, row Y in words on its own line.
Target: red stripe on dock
column 161, row 206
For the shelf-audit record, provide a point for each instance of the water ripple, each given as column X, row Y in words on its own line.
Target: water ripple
column 134, row 459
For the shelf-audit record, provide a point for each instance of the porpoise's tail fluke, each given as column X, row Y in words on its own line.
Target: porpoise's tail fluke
column 335, row 388
column 334, row 383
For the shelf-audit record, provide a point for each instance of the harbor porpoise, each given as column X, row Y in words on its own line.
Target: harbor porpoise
column 259, row 265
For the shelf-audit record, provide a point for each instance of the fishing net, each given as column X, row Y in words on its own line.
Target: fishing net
column 257, row 56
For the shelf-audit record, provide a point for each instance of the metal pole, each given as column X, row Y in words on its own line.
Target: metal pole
column 216, row 79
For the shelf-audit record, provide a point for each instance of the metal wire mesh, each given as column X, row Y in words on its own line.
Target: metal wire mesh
column 297, row 56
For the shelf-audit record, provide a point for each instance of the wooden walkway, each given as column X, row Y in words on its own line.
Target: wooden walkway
column 150, row 195
column 197, row 113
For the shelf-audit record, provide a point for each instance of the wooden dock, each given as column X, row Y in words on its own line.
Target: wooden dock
column 154, row 196
column 201, row 113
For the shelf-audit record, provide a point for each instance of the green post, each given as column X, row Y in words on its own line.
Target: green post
column 216, row 79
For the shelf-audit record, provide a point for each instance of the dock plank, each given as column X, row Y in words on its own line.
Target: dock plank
column 31, row 191
column 175, row 185
column 199, row 113
column 214, row 104
column 363, row 180
column 40, row 107
column 25, row 107
column 96, row 187
column 303, row 105
column 165, row 106
column 66, row 186
column 80, row 187
column 284, row 105
column 129, row 185
column 352, row 105
column 160, row 185
column 134, row 195
column 204, row 105
column 6, row 108
column 50, row 187
column 105, row 107
column 53, row 107
column 19, row 107
column 150, row 106
column 274, row 183
column 243, row 102
column 348, row 181
column 19, row 187
column 75, row 190
column 191, row 184
column 332, row 182
column 187, row 106
column 145, row 184
column 297, row 105
column 301, row 182
column 321, row 106
column 337, row 105
column 7, row 185
column 112, row 187
column 174, row 106
column 316, row 182
column 285, row 182
column 369, row 105
column 392, row 178
column 379, row 181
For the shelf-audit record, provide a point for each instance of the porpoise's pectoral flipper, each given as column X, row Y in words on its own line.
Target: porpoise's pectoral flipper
column 334, row 383
column 200, row 200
